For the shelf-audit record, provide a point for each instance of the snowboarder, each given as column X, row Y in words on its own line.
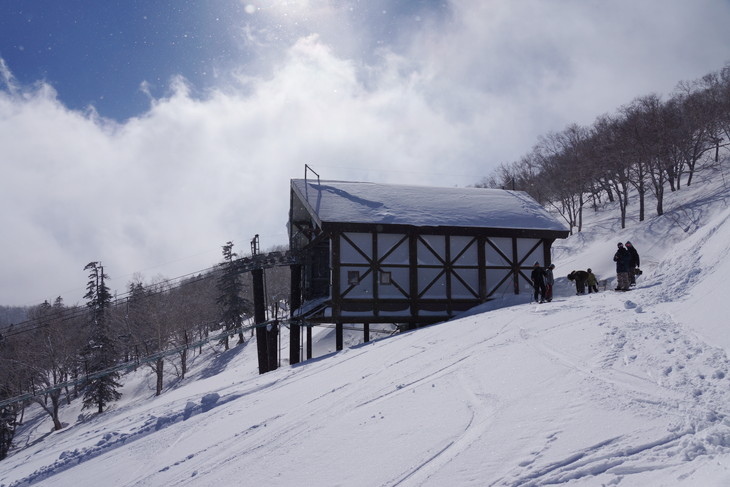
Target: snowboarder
column 592, row 282
column 622, row 258
column 538, row 281
column 580, row 281
column 635, row 263
column 549, row 281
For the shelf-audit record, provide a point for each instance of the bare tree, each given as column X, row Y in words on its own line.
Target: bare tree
column 53, row 356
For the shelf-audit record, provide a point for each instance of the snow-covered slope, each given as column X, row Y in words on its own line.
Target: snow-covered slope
column 629, row 389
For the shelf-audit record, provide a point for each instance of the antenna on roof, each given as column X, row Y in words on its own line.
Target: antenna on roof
column 255, row 245
column 307, row 168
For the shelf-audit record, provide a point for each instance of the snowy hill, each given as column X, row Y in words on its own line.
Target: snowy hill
column 629, row 389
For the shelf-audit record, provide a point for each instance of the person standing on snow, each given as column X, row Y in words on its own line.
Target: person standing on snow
column 538, row 281
column 549, row 281
column 592, row 282
column 635, row 263
column 622, row 258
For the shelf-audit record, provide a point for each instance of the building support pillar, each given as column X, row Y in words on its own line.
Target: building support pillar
column 339, row 335
column 309, row 342
column 265, row 343
column 295, row 301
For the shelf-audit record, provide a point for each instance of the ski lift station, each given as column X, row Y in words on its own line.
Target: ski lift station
column 378, row 253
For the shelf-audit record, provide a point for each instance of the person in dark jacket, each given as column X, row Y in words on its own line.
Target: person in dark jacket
column 580, row 281
column 549, row 281
column 622, row 258
column 634, row 265
column 538, row 281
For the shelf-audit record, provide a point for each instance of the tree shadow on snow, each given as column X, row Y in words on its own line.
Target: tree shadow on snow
column 220, row 362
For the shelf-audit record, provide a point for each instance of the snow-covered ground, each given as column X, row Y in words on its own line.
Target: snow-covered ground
column 628, row 389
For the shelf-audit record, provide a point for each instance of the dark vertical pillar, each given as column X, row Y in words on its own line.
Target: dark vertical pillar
column 482, row 260
column 413, row 278
column 309, row 342
column 515, row 266
column 375, row 270
column 259, row 316
column 546, row 244
column 448, row 274
column 272, row 345
column 366, row 332
column 335, row 279
column 295, row 301
column 339, row 336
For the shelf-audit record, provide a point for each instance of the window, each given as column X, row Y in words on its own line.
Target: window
column 353, row 277
column 385, row 277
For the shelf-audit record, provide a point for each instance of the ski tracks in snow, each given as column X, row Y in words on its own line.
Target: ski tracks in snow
column 624, row 373
column 482, row 407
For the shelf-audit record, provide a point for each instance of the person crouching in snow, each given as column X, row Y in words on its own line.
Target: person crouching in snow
column 622, row 258
column 580, row 281
column 538, row 281
column 592, row 282
column 549, row 281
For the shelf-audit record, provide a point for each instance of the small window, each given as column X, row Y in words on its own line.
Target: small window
column 385, row 277
column 353, row 277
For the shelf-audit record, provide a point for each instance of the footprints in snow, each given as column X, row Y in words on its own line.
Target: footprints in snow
column 660, row 351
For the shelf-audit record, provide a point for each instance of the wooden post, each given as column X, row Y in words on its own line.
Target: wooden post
column 413, row 278
column 339, row 336
column 272, row 348
column 309, row 342
column 482, row 260
column 259, row 315
column 366, row 332
column 295, row 303
column 515, row 267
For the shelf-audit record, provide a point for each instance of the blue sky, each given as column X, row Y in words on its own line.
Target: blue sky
column 117, row 54
column 99, row 53
column 146, row 135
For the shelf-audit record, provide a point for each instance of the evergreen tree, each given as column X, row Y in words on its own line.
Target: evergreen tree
column 230, row 298
column 8, row 416
column 100, row 353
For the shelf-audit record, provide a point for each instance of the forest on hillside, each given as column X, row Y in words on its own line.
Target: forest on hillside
column 648, row 146
column 59, row 353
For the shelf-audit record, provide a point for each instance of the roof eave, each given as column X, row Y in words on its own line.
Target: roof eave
column 333, row 226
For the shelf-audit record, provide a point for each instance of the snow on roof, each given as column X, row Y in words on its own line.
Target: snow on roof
column 396, row 204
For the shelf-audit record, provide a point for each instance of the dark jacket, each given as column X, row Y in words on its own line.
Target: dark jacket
column 622, row 258
column 578, row 276
column 538, row 275
column 634, row 256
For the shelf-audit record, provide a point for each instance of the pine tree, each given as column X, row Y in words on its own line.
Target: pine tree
column 230, row 287
column 100, row 352
column 8, row 417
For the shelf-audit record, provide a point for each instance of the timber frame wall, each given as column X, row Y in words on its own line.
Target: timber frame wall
column 415, row 275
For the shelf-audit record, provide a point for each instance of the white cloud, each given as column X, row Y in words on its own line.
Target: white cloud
column 456, row 96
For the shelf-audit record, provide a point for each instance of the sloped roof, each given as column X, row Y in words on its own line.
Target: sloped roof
column 395, row 204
